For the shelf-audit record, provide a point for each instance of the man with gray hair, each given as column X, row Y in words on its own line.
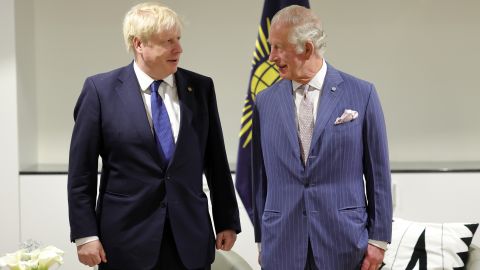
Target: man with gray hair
column 157, row 130
column 321, row 176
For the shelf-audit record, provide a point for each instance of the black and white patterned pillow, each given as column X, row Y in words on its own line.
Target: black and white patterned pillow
column 423, row 246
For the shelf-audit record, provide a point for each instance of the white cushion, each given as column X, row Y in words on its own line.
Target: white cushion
column 429, row 246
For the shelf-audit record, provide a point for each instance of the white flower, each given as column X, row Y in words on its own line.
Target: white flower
column 38, row 259
column 48, row 257
column 12, row 260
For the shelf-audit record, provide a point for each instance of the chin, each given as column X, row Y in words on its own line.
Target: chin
column 285, row 76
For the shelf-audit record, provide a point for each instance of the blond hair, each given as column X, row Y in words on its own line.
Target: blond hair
column 146, row 19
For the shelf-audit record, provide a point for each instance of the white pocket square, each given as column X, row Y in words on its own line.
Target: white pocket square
column 347, row 116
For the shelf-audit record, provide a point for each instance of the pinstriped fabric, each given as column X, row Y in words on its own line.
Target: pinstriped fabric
column 323, row 201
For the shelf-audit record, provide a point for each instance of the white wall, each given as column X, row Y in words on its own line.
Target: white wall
column 9, row 232
column 45, row 217
column 437, row 197
column 26, row 84
column 422, row 55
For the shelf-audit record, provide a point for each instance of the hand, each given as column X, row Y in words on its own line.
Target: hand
column 91, row 253
column 373, row 258
column 226, row 239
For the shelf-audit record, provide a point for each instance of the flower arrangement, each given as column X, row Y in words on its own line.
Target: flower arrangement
column 31, row 257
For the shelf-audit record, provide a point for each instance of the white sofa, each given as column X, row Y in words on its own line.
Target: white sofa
column 474, row 258
column 229, row 260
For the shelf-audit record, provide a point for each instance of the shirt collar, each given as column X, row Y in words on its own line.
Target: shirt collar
column 145, row 81
column 317, row 80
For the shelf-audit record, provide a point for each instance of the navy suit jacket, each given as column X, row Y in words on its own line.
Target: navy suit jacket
column 135, row 191
column 324, row 202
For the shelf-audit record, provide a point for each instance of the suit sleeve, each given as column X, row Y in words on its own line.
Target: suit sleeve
column 217, row 171
column 377, row 171
column 259, row 178
column 83, row 163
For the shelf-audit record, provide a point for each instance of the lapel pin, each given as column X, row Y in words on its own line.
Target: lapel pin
column 334, row 89
column 190, row 89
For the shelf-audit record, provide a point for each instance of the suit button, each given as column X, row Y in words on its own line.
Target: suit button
column 304, row 212
column 168, row 177
column 307, row 185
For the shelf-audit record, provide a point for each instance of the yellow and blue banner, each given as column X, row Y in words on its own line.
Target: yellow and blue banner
column 264, row 73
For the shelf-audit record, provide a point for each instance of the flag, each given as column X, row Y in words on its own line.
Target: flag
column 264, row 73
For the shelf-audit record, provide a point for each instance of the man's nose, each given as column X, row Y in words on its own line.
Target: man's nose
column 272, row 57
column 178, row 48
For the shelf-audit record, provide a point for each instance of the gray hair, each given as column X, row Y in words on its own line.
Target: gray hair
column 146, row 19
column 305, row 26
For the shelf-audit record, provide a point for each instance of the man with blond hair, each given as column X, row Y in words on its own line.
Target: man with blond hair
column 157, row 130
column 317, row 134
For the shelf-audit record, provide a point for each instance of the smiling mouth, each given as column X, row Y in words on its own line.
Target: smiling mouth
column 282, row 67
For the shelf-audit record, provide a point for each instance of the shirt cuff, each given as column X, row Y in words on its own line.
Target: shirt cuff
column 84, row 240
column 380, row 244
column 259, row 245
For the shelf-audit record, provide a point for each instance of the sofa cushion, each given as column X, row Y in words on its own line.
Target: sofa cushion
column 423, row 246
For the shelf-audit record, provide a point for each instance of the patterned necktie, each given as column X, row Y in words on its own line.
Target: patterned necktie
column 161, row 124
column 305, row 123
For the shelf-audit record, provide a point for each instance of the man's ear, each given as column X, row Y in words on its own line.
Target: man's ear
column 137, row 45
column 309, row 49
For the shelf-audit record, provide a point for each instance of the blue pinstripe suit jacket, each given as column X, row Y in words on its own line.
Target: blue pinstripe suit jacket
column 327, row 201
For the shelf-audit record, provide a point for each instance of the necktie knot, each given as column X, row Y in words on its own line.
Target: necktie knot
column 154, row 86
column 305, row 90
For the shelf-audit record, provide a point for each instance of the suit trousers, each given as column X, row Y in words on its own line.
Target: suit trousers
column 310, row 264
column 169, row 258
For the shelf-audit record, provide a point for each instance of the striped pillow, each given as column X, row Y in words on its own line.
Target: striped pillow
column 429, row 246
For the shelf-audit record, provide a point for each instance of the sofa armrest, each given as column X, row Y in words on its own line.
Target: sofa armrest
column 229, row 260
column 474, row 258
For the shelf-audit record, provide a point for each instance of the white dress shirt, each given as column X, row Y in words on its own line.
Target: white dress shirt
column 315, row 87
column 167, row 90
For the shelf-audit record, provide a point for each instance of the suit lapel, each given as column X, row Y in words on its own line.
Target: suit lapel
column 330, row 96
column 129, row 92
column 186, row 101
column 288, row 113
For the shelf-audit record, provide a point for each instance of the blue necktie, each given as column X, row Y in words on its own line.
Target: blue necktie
column 161, row 124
